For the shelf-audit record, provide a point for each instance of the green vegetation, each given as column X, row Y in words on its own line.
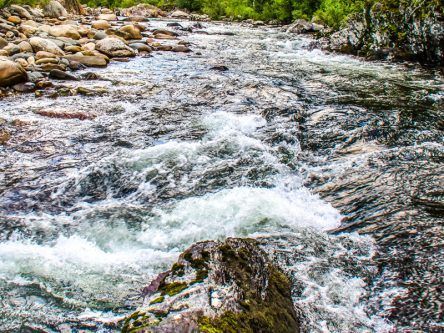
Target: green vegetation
column 333, row 13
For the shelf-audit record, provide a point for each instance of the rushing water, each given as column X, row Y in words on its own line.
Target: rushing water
column 92, row 209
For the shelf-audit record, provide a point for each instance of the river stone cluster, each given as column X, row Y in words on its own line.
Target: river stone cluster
column 41, row 43
column 229, row 286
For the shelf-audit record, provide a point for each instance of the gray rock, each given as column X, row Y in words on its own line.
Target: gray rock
column 20, row 11
column 41, row 44
column 61, row 75
column 54, row 9
column 114, row 47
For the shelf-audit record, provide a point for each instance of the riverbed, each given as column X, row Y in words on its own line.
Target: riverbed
column 333, row 161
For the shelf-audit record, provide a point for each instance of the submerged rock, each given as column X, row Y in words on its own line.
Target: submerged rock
column 229, row 286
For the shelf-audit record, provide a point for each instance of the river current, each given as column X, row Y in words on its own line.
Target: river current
column 332, row 162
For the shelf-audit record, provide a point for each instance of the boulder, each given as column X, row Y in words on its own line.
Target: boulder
column 61, row 75
column 114, row 47
column 107, row 17
column 178, row 14
column 89, row 61
column 141, row 47
column 64, row 30
column 24, row 87
column 165, row 32
column 20, row 11
column 132, row 31
column 54, row 9
column 41, row 44
column 11, row 73
column 181, row 48
column 229, row 286
column 300, row 27
column 100, row 24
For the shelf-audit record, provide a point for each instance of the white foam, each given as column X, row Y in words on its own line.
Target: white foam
column 240, row 211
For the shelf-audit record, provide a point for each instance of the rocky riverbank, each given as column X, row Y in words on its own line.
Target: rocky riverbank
column 38, row 46
column 395, row 32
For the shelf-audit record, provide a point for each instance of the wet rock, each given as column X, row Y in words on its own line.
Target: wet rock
column 101, row 25
column 200, row 18
column 35, row 76
column 220, row 68
column 54, row 9
column 61, row 75
column 90, row 76
column 47, row 67
column 178, row 14
column 229, row 286
column 90, row 92
column 301, row 27
column 90, row 61
column 41, row 44
column 114, row 47
column 11, row 73
column 164, row 32
column 5, row 136
column 181, row 48
column 394, row 31
column 141, row 47
column 24, row 87
column 64, row 114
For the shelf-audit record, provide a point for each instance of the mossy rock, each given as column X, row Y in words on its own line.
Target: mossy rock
column 252, row 294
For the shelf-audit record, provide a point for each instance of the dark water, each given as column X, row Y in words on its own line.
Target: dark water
column 305, row 148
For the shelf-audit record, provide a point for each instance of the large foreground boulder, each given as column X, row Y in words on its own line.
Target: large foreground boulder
column 11, row 73
column 114, row 47
column 229, row 286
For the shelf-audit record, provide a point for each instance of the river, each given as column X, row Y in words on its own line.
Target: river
column 335, row 162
